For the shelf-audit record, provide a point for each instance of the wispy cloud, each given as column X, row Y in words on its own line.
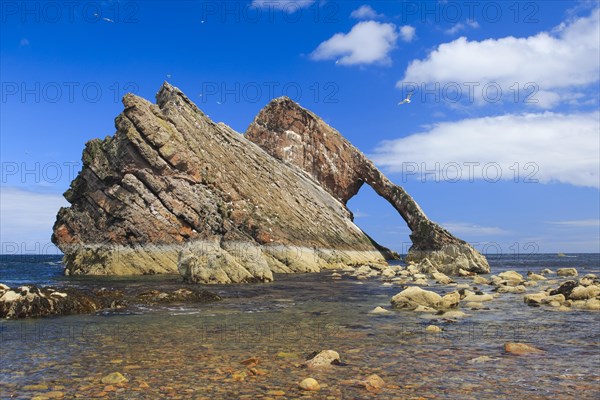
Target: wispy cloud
column 465, row 228
column 365, row 12
column 359, row 214
column 287, row 5
column 580, row 223
column 459, row 27
column 24, row 42
column 407, row 33
column 26, row 218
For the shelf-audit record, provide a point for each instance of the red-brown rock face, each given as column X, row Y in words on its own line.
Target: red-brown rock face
column 297, row 136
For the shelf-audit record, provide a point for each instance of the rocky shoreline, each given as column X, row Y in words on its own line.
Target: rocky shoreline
column 30, row 301
column 555, row 290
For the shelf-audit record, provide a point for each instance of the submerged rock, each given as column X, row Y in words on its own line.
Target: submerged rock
column 433, row 329
column 309, row 384
column 114, row 378
column 520, row 349
column 323, row 359
column 379, row 310
column 566, row 272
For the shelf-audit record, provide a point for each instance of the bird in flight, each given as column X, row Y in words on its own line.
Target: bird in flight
column 108, row 20
column 407, row 99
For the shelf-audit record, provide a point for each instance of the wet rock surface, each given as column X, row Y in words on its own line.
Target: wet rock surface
column 29, row 301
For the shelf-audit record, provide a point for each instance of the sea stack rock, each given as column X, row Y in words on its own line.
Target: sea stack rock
column 172, row 191
column 298, row 137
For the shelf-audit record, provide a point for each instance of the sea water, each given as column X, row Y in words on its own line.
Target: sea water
column 194, row 351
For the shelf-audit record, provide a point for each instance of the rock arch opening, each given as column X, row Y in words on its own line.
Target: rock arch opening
column 378, row 219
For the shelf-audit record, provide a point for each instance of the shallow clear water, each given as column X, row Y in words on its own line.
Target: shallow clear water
column 194, row 351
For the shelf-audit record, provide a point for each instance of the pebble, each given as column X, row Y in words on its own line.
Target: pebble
column 114, row 378
column 433, row 329
column 309, row 384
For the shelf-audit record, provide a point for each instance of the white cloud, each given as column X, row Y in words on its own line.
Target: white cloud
column 459, row 27
column 26, row 218
column 286, row 5
column 368, row 42
column 559, row 63
column 407, row 33
column 549, row 147
column 580, row 223
column 464, row 228
column 365, row 12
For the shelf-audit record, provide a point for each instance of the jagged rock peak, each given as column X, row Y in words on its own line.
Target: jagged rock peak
column 171, row 190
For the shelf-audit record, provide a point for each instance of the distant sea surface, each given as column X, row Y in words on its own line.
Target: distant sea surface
column 192, row 351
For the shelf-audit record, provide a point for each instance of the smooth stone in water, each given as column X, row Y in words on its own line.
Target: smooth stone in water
column 520, row 349
column 379, row 310
column 324, row 359
column 114, row 378
column 309, row 384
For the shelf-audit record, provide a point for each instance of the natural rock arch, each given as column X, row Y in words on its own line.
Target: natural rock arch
column 296, row 136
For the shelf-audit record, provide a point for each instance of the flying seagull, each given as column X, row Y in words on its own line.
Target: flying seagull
column 407, row 99
column 108, row 20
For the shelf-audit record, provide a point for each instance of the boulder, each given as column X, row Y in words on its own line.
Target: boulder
column 450, row 300
column 478, row 298
column 536, row 277
column 566, row 272
column 565, row 289
column 535, row 299
column 414, row 296
column 520, row 349
column 323, row 359
column 441, row 278
column 584, row 292
column 512, row 278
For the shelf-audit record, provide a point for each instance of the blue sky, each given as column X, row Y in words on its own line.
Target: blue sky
column 500, row 142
